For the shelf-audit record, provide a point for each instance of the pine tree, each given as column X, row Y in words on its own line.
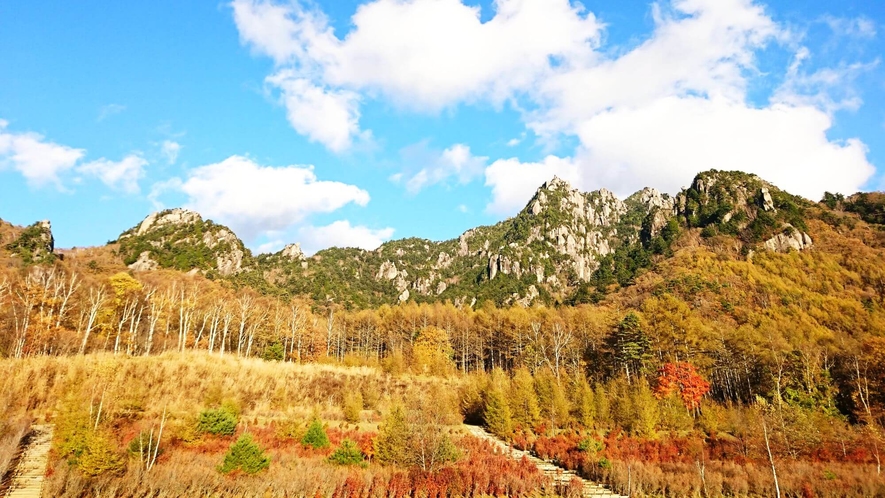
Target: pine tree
column 246, row 456
column 629, row 346
column 316, row 435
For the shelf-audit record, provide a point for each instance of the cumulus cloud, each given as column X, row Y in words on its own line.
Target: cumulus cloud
column 677, row 104
column 342, row 234
column 119, row 175
column 40, row 161
column 254, row 199
column 681, row 92
column 455, row 162
column 424, row 54
column 330, row 117
column 681, row 136
column 170, row 150
column 698, row 47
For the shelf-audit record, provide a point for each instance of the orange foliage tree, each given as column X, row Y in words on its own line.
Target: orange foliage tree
column 681, row 378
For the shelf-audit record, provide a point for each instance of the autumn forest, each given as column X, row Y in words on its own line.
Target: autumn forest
column 713, row 367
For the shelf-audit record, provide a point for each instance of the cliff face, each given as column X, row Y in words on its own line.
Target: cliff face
column 563, row 239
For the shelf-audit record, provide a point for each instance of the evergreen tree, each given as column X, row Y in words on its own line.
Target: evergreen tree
column 629, row 346
column 316, row 435
column 246, row 456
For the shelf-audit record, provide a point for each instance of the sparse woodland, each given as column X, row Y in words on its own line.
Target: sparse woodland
column 713, row 373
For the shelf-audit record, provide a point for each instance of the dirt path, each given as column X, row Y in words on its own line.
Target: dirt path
column 27, row 479
column 559, row 475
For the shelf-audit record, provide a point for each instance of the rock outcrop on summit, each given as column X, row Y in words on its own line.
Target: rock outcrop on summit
column 181, row 239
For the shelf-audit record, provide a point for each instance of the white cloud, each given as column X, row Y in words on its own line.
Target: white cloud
column 254, row 199
column 342, row 234
column 41, row 162
column 676, row 105
column 702, row 47
column 684, row 87
column 513, row 182
column 858, row 27
column 666, row 143
column 424, row 54
column 456, row 161
column 109, row 110
column 330, row 117
column 829, row 89
column 119, row 175
column 170, row 150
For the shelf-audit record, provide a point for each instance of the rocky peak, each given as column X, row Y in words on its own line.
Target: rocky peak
column 177, row 216
column 35, row 244
column 557, row 183
column 293, row 252
column 182, row 239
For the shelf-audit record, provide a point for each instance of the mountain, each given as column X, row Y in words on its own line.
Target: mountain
column 32, row 245
column 182, row 240
column 565, row 245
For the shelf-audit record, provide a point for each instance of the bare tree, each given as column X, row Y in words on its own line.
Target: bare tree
column 245, row 302
column 296, row 327
column 560, row 340
column 148, row 456
column 66, row 289
column 127, row 312
column 215, row 320
column 156, row 307
column 22, row 310
column 226, row 318
column 186, row 305
column 96, row 300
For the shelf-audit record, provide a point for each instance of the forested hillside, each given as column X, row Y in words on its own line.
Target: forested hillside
column 671, row 346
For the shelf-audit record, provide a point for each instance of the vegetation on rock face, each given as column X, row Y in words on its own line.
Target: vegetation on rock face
column 34, row 245
column 187, row 243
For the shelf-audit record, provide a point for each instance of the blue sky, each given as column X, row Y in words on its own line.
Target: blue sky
column 353, row 122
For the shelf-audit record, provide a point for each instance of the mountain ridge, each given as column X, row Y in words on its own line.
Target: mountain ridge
column 563, row 246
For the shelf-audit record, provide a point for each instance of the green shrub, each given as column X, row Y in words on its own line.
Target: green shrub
column 220, row 422
column 347, row 454
column 245, row 455
column 273, row 352
column 316, row 435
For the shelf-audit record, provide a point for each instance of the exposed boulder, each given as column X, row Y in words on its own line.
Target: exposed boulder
column 144, row 263
column 789, row 239
column 387, row 271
